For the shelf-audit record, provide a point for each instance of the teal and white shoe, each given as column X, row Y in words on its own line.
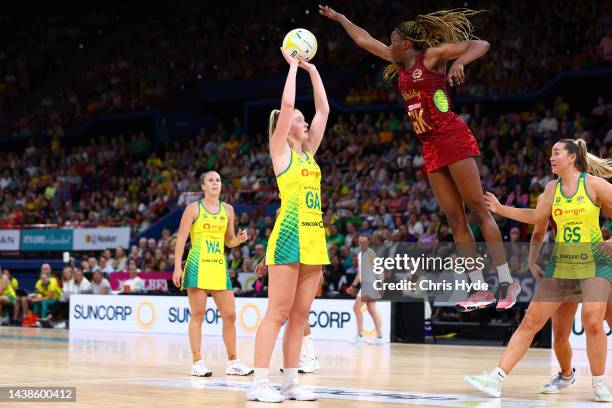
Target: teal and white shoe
column 602, row 394
column 485, row 383
column 558, row 382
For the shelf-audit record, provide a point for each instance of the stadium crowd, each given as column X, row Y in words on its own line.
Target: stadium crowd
column 129, row 79
column 374, row 184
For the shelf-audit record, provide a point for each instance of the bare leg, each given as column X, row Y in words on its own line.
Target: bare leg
column 197, row 304
column 227, row 306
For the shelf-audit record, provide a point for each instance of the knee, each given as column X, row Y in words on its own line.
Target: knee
column 592, row 323
column 479, row 212
column 456, row 221
column 278, row 315
column 229, row 318
column 560, row 338
column 531, row 324
column 357, row 308
column 298, row 313
column 197, row 316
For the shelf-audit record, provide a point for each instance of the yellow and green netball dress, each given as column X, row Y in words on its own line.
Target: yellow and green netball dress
column 298, row 234
column 9, row 292
column 206, row 267
column 576, row 253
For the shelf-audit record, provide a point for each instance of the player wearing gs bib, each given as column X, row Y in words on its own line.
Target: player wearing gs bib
column 574, row 218
column 210, row 224
column 576, row 254
column 418, row 54
column 562, row 318
column 298, row 234
column 296, row 249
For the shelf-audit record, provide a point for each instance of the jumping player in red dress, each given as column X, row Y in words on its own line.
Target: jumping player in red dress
column 418, row 54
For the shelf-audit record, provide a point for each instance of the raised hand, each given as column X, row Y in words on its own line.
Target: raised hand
column 290, row 60
column 329, row 12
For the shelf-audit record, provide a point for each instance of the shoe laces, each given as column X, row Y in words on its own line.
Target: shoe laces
column 601, row 388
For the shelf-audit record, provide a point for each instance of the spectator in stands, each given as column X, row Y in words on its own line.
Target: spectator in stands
column 120, row 261
column 236, row 285
column 105, row 266
column 93, row 264
column 148, row 262
column 135, row 284
column 548, row 123
column 100, row 285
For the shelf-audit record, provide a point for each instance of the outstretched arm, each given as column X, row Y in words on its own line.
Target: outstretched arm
column 317, row 126
column 525, row 215
column 361, row 37
column 462, row 52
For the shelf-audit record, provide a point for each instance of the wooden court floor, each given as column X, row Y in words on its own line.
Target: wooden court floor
column 136, row 370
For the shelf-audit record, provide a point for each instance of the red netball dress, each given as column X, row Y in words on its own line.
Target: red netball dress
column 445, row 137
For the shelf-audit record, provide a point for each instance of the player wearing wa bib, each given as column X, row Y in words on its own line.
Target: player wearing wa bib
column 206, row 267
column 298, row 234
column 576, row 254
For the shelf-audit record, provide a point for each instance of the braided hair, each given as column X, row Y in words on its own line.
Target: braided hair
column 430, row 30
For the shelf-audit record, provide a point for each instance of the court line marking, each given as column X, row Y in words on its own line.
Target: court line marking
column 382, row 396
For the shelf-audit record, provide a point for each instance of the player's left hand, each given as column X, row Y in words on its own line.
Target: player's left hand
column 606, row 247
column 242, row 236
column 307, row 66
column 456, row 76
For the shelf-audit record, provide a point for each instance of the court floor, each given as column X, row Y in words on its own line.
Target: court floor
column 148, row 370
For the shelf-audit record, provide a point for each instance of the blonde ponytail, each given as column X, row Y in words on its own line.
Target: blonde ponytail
column 272, row 122
column 592, row 164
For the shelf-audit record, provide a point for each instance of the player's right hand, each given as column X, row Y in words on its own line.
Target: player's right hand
column 290, row 60
column 329, row 12
column 536, row 271
column 177, row 278
column 492, row 202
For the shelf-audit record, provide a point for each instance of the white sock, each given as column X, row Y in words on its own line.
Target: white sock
column 261, row 375
column 476, row 276
column 504, row 273
column 308, row 347
column 290, row 375
column 598, row 378
column 498, row 374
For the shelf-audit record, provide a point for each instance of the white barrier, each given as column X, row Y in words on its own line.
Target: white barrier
column 578, row 336
column 9, row 240
column 87, row 239
column 329, row 319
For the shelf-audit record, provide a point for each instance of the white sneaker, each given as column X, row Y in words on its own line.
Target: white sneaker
column 376, row 341
column 199, row 369
column 358, row 339
column 264, row 392
column 295, row 391
column 602, row 394
column 308, row 365
column 60, row 325
column 558, row 382
column 235, row 367
column 485, row 383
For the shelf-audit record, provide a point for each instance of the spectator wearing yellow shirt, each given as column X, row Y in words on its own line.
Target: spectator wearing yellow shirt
column 47, row 293
column 385, row 136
